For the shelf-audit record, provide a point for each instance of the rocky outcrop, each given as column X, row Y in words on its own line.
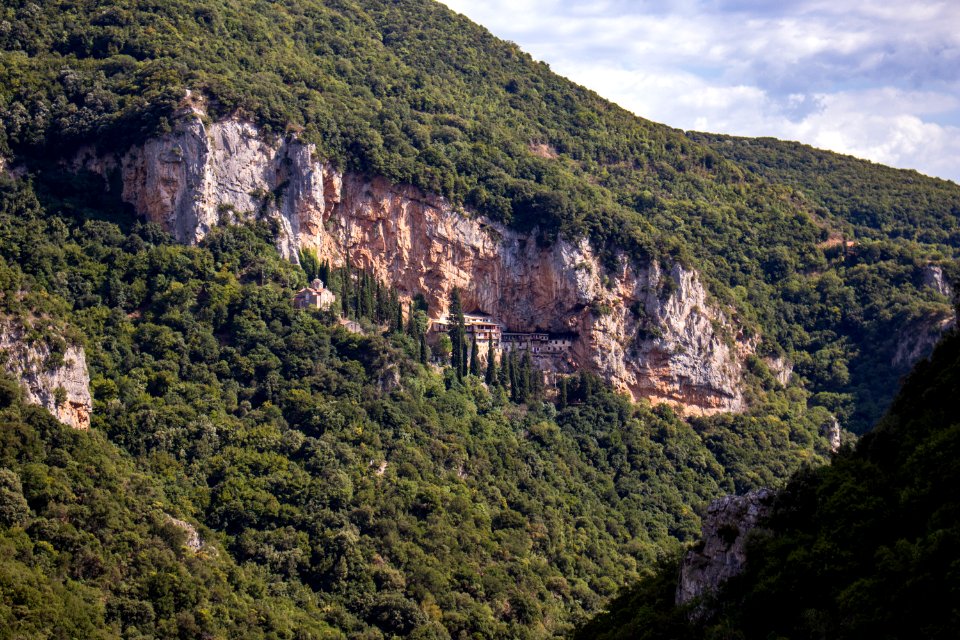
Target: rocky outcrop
column 781, row 368
column 650, row 329
column 192, row 540
column 917, row 340
column 933, row 278
column 832, row 432
column 59, row 382
column 652, row 333
column 202, row 175
column 721, row 553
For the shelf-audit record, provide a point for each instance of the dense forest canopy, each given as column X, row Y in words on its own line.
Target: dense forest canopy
column 862, row 548
column 336, row 470
column 414, row 92
column 342, row 484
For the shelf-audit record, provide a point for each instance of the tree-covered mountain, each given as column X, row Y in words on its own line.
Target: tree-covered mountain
column 334, row 469
column 863, row 548
column 342, row 485
column 411, row 91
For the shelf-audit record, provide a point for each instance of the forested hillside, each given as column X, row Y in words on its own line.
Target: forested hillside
column 334, row 467
column 342, row 485
column 413, row 92
column 862, row 548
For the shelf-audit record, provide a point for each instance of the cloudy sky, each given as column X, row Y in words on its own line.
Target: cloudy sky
column 878, row 79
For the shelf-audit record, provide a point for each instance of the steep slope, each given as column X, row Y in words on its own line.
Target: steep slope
column 865, row 547
column 886, row 229
column 412, row 93
column 338, row 469
column 652, row 334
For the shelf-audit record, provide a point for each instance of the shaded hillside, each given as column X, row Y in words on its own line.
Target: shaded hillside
column 863, row 548
column 90, row 548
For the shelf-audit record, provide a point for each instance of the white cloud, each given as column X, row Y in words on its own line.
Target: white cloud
column 865, row 77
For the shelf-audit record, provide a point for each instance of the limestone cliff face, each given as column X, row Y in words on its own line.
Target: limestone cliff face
column 918, row 338
column 651, row 331
column 201, row 175
column 934, row 278
column 43, row 377
column 721, row 554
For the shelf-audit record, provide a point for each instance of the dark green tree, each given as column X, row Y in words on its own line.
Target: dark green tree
column 490, row 376
column 424, row 349
column 13, row 506
column 411, row 322
column 513, row 371
column 310, row 264
column 324, row 271
column 474, row 357
column 525, row 377
column 458, row 335
column 503, row 371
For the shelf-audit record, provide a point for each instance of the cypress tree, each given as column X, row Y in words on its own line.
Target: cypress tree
column 503, row 372
column 324, row 272
column 310, row 264
column 369, row 301
column 458, row 337
column 536, row 381
column 411, row 323
column 474, row 358
column 562, row 395
column 524, row 377
column 491, row 374
column 424, row 349
column 345, row 291
column 356, row 292
column 585, row 386
column 514, row 378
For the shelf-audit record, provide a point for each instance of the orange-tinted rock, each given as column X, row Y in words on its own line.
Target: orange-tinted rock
column 653, row 334
column 42, row 380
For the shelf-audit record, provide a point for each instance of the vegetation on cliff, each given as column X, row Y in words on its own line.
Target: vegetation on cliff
column 343, row 485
